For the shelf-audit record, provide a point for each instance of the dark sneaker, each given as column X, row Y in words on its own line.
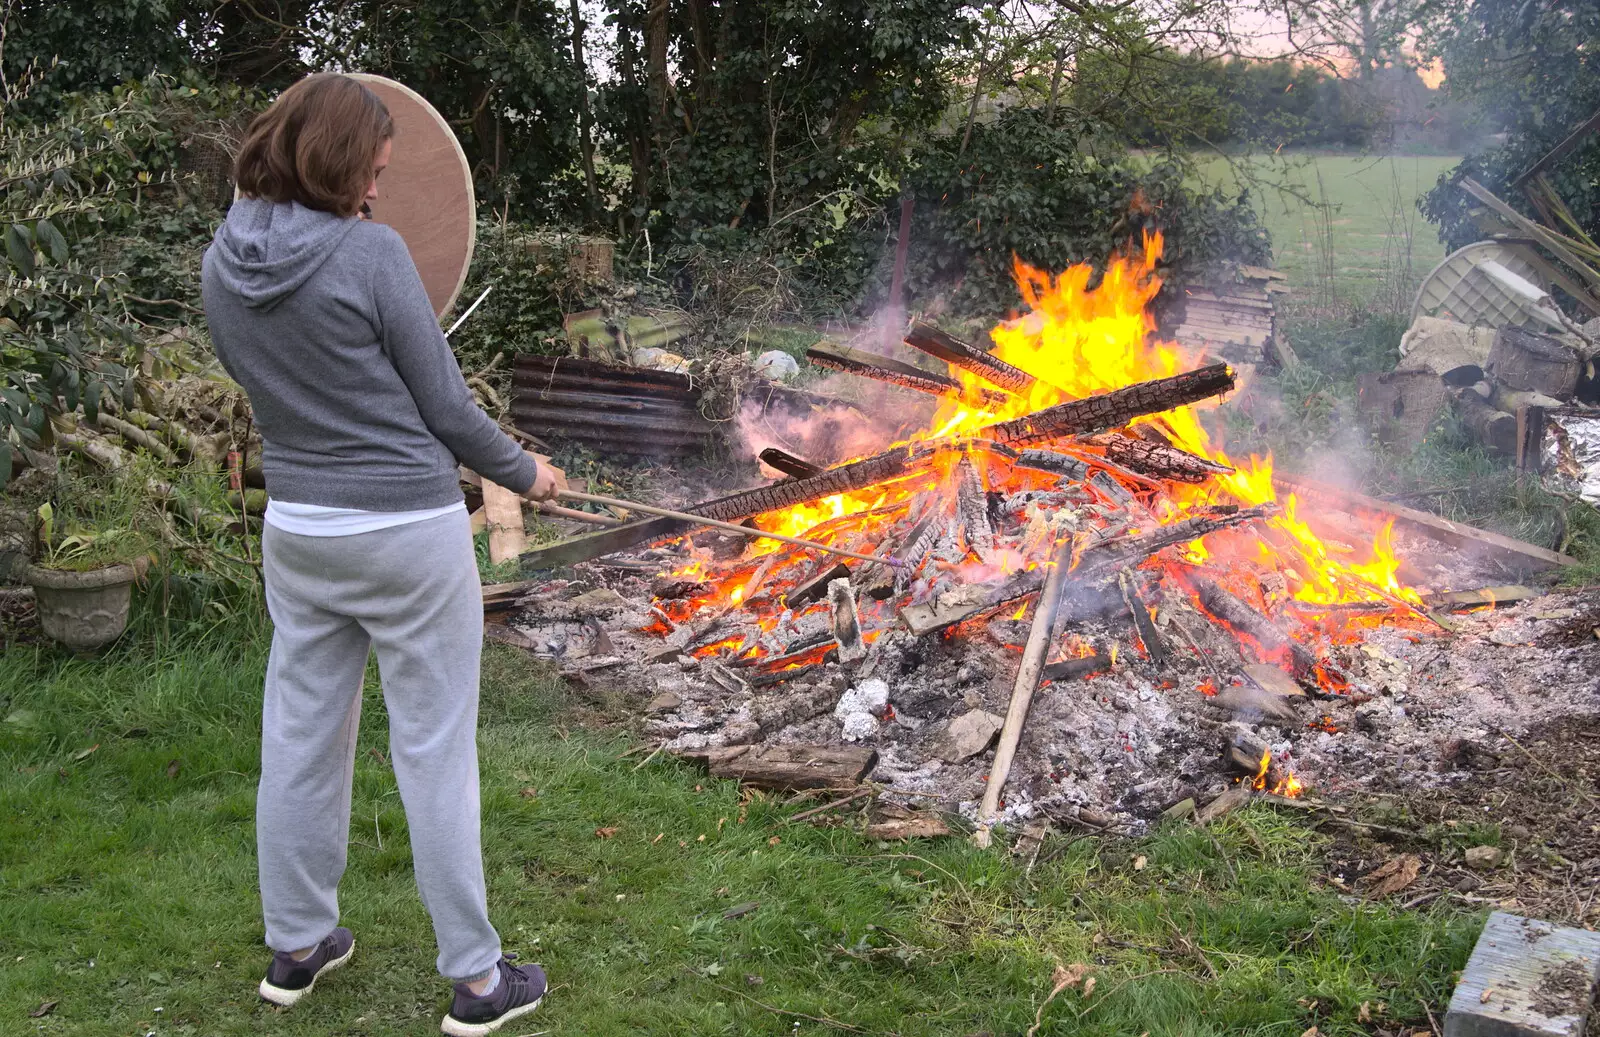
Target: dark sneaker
column 289, row 980
column 521, row 989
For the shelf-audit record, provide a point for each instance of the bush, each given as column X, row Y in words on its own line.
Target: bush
column 1028, row 188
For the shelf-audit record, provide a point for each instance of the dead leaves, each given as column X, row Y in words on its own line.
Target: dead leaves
column 43, row 1010
column 606, row 833
column 1393, row 875
column 1065, row 977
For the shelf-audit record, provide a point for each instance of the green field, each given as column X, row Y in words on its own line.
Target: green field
column 1345, row 228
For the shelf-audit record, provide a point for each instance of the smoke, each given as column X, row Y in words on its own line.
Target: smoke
column 876, row 415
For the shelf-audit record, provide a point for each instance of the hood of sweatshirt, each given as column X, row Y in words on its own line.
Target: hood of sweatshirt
column 265, row 250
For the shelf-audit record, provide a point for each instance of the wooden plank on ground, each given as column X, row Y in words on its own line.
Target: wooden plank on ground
column 786, row 767
column 503, row 509
column 1526, row 978
column 1505, row 595
column 1457, row 534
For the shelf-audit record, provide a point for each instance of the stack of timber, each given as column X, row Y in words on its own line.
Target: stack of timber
column 1236, row 321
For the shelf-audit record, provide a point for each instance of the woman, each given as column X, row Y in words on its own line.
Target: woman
column 364, row 415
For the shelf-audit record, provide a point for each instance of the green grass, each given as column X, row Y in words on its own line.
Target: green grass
column 127, row 886
column 1381, row 245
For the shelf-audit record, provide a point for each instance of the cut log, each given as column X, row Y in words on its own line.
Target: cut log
column 1245, row 621
column 1493, row 428
column 845, row 622
column 1527, row 360
column 1114, row 409
column 957, row 353
column 1064, row 465
column 893, row 372
column 790, row 465
column 787, row 767
column 1526, row 978
column 1158, row 459
column 503, row 509
column 1482, row 541
column 1022, row 690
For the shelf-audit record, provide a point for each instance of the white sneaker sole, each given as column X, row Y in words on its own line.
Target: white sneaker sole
column 289, row 998
column 456, row 1028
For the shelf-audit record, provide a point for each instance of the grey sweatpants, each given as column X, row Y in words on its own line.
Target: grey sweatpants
column 411, row 593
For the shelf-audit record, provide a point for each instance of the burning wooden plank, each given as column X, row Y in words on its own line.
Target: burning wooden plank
column 1161, row 460
column 957, row 353
column 814, row 587
column 1114, row 409
column 893, row 372
column 1064, row 465
column 942, row 614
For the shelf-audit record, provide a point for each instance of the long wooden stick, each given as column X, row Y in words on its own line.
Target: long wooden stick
column 1033, row 656
column 577, row 516
column 700, row 520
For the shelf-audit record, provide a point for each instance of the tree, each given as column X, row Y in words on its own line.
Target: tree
column 736, row 114
column 1533, row 66
column 1365, row 34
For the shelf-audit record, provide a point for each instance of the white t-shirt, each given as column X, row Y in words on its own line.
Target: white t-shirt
column 314, row 520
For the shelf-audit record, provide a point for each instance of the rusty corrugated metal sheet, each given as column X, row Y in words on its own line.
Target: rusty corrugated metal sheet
column 628, row 411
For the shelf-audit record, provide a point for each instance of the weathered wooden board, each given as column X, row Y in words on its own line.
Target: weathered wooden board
column 503, row 510
column 787, row 767
column 1526, row 978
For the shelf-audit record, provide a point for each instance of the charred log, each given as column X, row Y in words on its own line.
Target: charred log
column 1076, row 669
column 892, row 372
column 814, row 587
column 957, row 353
column 972, row 504
column 1101, row 559
column 1242, row 619
column 1064, row 465
column 1160, row 460
column 1114, row 409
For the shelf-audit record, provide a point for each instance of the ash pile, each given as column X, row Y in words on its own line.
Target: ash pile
column 1062, row 599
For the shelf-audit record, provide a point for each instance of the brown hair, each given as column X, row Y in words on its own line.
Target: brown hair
column 315, row 145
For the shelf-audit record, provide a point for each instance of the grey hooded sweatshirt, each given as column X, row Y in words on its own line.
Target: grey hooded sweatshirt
column 358, row 397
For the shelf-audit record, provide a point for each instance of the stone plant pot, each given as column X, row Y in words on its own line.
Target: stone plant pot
column 83, row 610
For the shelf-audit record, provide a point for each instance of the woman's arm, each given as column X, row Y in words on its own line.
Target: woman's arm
column 422, row 356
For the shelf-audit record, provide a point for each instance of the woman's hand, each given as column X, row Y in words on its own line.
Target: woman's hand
column 548, row 482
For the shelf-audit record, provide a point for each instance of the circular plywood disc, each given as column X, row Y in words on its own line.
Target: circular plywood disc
column 426, row 193
column 1457, row 290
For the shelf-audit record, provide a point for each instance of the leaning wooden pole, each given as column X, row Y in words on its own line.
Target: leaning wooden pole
column 1027, row 682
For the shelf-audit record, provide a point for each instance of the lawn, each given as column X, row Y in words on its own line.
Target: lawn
column 1345, row 228
column 127, row 890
